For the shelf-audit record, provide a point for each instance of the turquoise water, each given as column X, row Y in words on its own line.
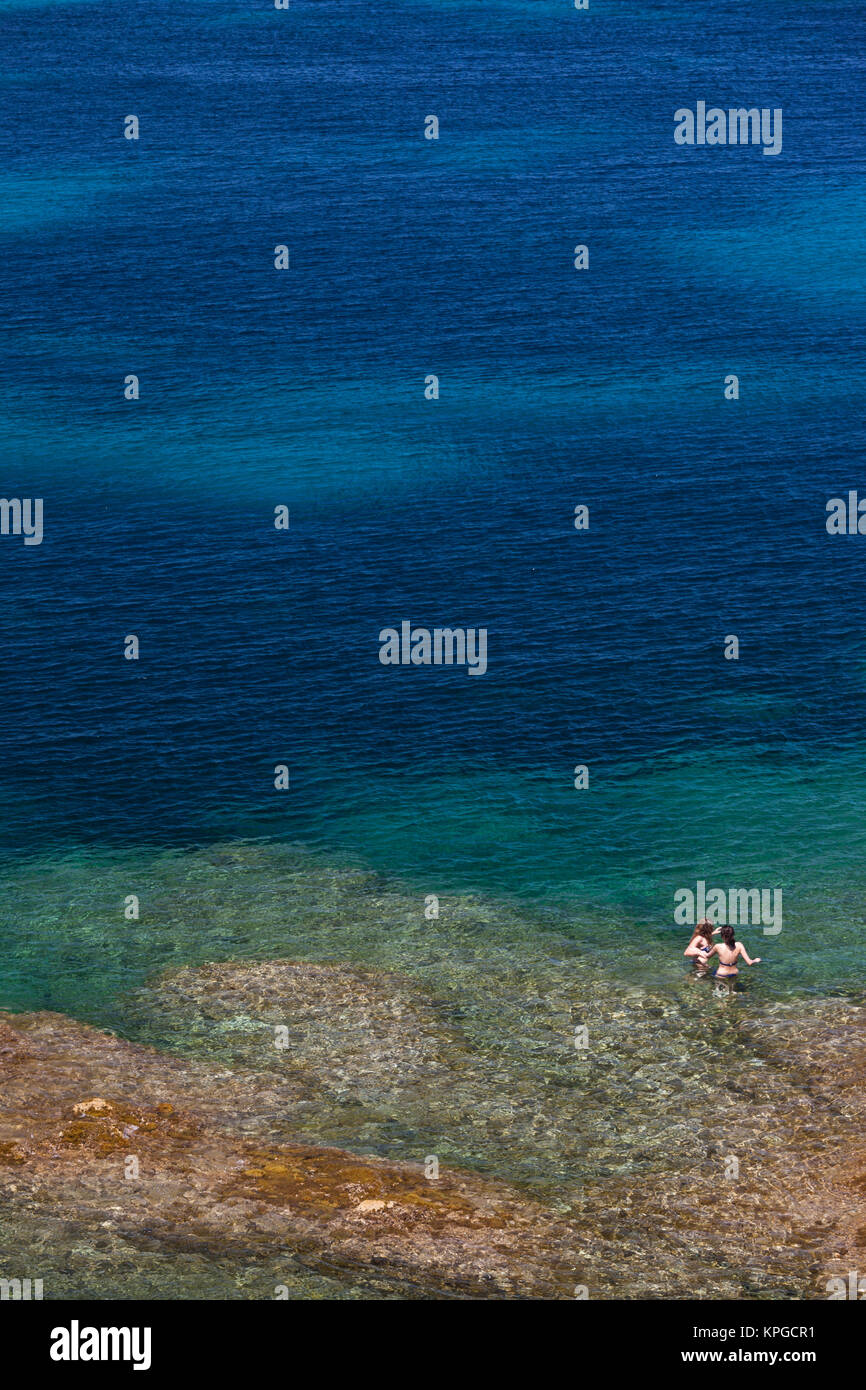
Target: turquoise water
column 510, row 840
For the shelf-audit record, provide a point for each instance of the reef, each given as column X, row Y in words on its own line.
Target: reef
column 747, row 1179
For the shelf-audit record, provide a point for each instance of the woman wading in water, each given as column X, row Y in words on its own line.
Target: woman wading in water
column 698, row 948
column 729, row 951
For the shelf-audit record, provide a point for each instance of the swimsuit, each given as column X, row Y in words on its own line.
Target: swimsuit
column 728, row 979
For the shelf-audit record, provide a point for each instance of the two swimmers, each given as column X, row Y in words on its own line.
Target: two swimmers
column 728, row 951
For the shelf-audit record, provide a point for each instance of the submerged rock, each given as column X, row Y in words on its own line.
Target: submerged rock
column 355, row 1031
column 205, row 1153
column 168, row 1173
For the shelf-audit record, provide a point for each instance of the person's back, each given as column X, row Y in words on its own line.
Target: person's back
column 729, row 951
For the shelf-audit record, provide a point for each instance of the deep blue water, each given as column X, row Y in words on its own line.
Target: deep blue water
column 558, row 387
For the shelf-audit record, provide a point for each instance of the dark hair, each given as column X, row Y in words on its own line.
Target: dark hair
column 728, row 937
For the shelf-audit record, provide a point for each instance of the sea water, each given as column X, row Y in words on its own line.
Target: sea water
column 305, row 389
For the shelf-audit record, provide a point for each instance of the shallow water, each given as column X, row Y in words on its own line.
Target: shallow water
column 460, row 1043
column 507, row 987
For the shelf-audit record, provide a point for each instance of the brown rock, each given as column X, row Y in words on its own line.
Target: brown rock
column 95, row 1106
column 201, row 1184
